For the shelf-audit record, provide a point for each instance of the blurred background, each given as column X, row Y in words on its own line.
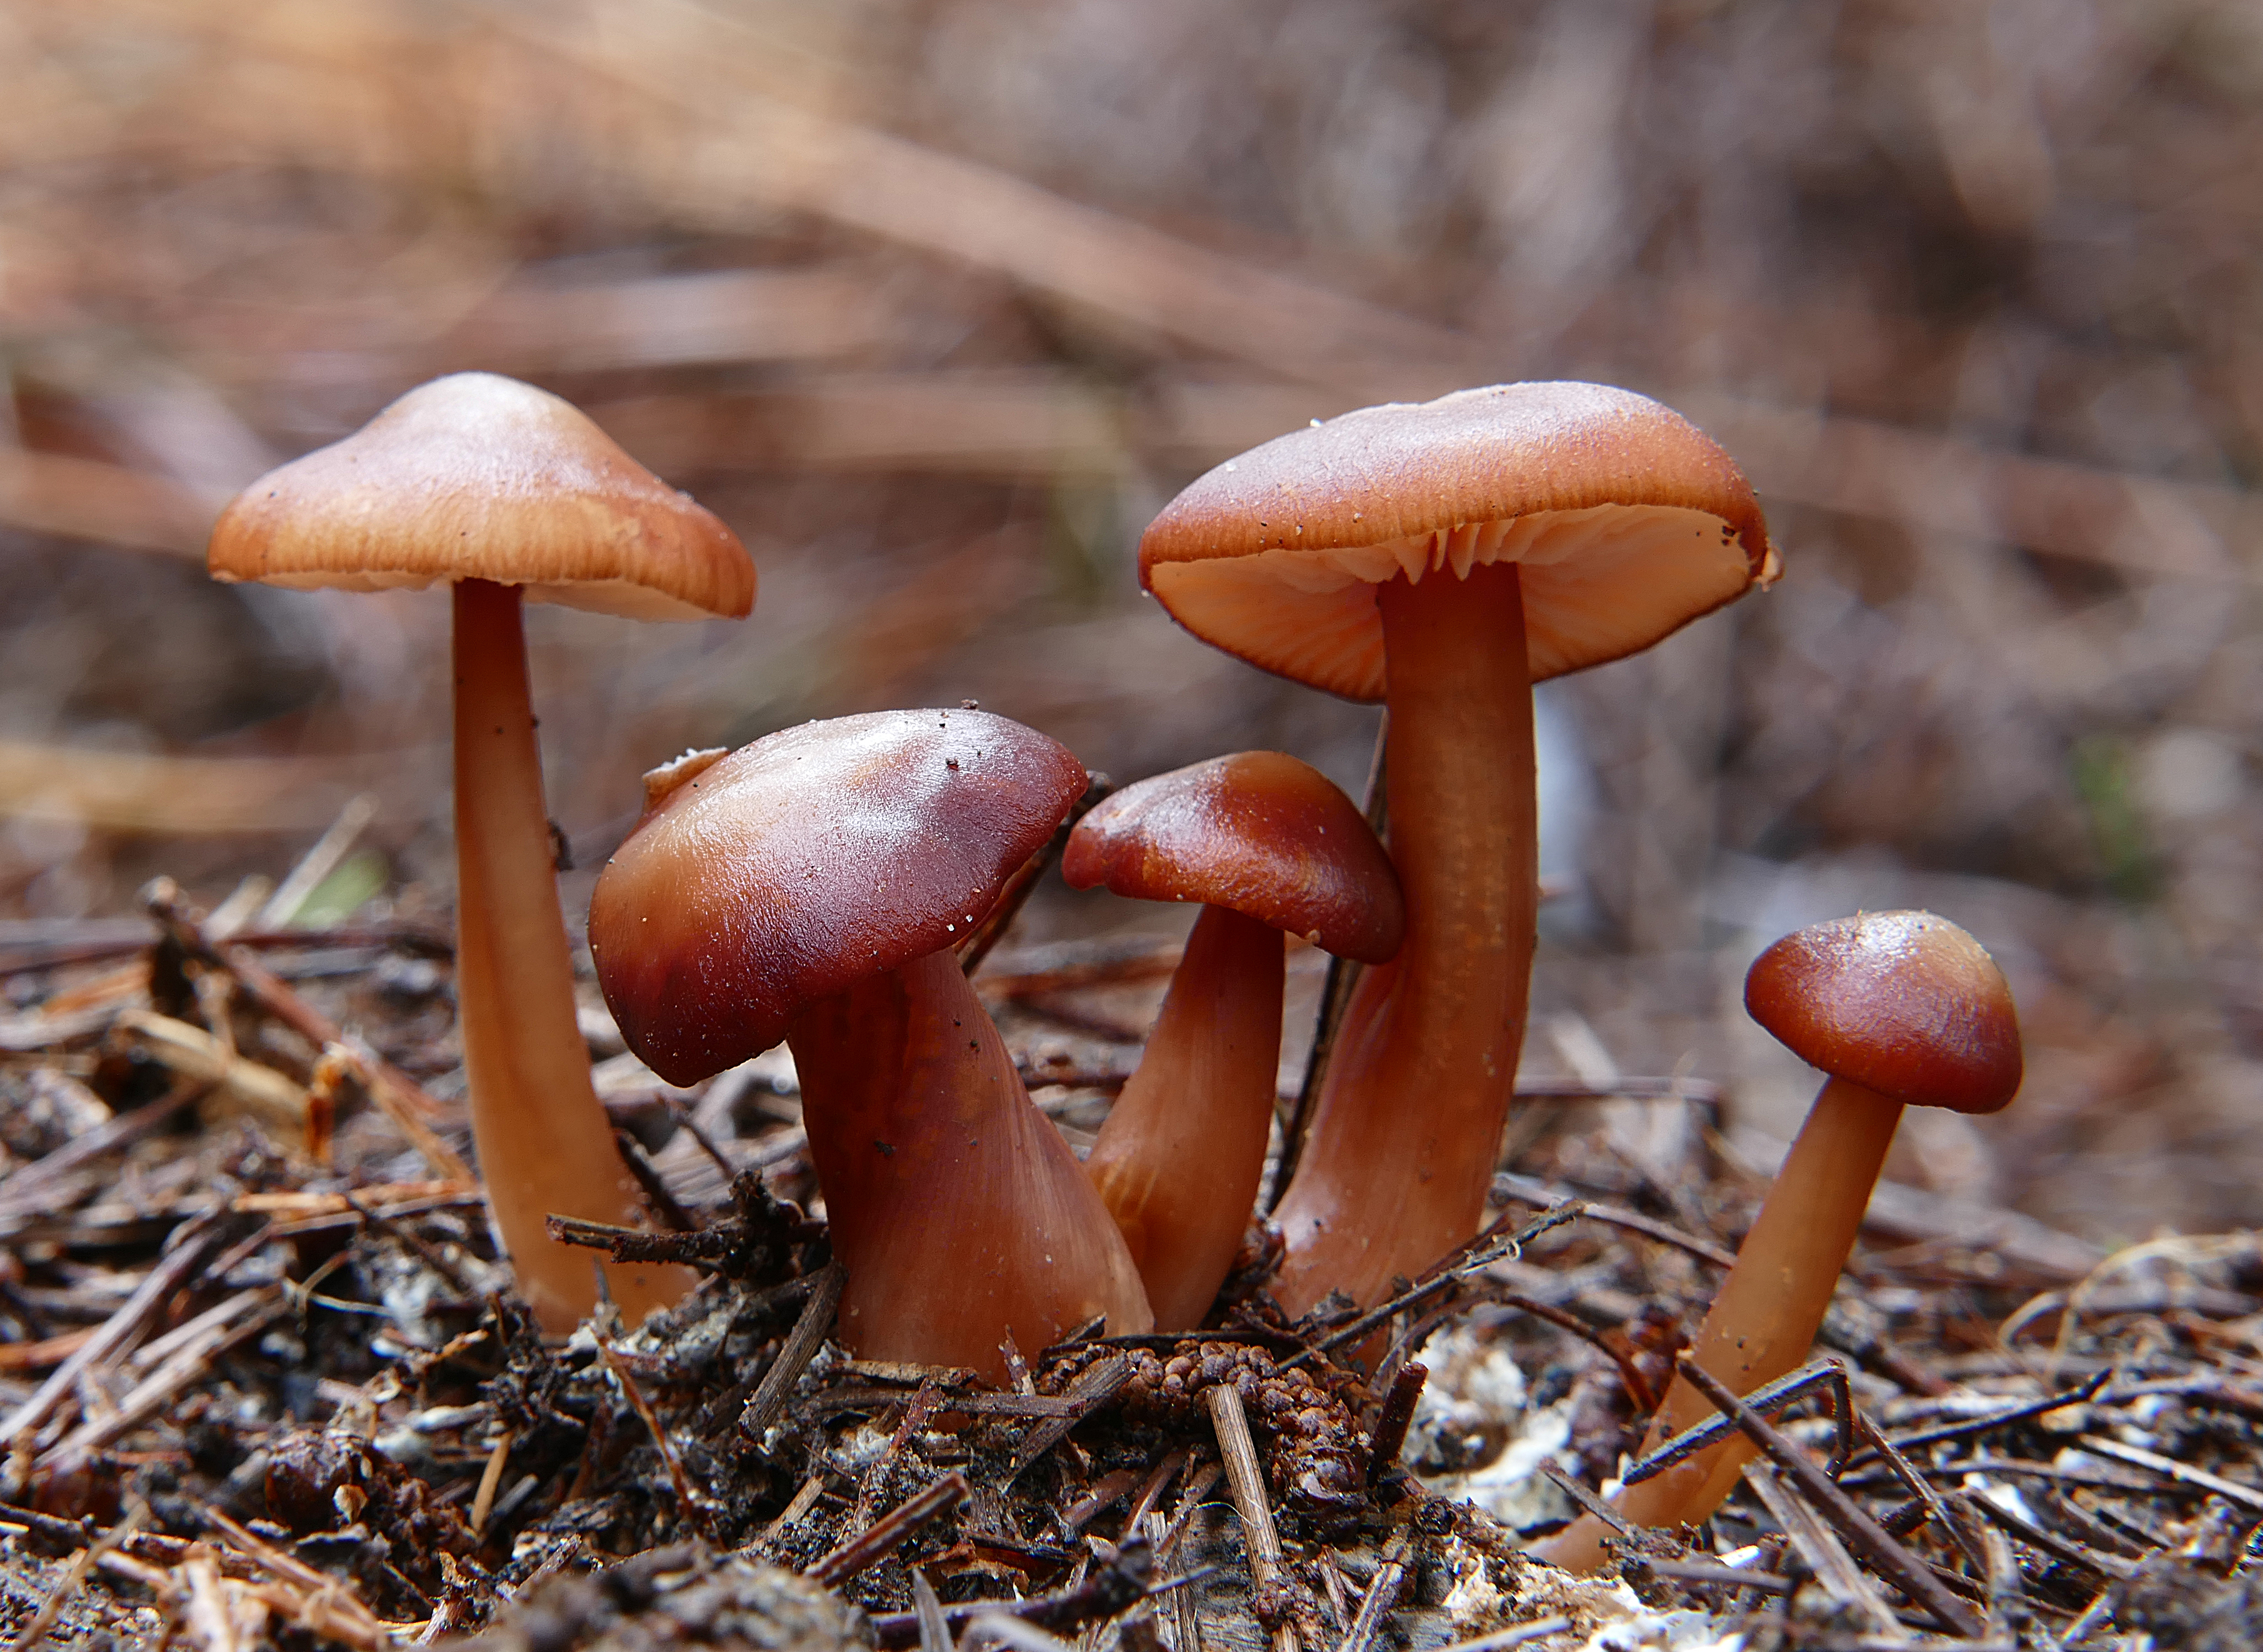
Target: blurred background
column 937, row 302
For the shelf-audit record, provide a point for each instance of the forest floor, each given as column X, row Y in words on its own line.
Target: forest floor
column 266, row 1381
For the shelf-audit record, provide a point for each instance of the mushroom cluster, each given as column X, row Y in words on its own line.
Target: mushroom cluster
column 812, row 887
column 1442, row 558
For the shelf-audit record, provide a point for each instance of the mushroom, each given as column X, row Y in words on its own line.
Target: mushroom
column 811, row 886
column 1442, row 558
column 504, row 491
column 1268, row 844
column 1902, row 1009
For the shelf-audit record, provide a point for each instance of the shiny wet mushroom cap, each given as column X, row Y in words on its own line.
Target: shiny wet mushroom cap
column 792, row 867
column 1260, row 832
column 1904, row 1003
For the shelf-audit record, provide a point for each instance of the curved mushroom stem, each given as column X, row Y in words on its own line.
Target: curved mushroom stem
column 1400, row 1152
column 544, row 1143
column 1178, row 1161
column 1763, row 1322
column 959, row 1211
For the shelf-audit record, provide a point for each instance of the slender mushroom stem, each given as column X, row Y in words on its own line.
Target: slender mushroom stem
column 1763, row 1323
column 957, row 1207
column 1401, row 1148
column 544, row 1145
column 1178, row 1161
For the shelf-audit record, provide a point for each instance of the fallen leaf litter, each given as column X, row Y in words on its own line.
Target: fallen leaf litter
column 250, row 1394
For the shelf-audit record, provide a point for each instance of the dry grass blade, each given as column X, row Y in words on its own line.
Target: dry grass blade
column 51, row 1607
column 1246, row 1481
column 1151, row 1489
column 876, row 1541
column 1094, row 1386
column 1382, row 1594
column 186, row 1365
column 800, row 1503
column 48, row 1351
column 215, row 1617
column 305, row 1596
column 490, row 1483
column 318, row 862
column 1908, row 1572
column 401, row 1098
column 768, row 1402
column 2138, row 1457
column 39, row 1186
column 934, row 1630
column 1833, row 1567
column 688, row 1507
column 197, row 1245
column 141, row 791
column 236, row 1084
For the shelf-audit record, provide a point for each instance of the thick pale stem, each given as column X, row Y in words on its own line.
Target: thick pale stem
column 1763, row 1323
column 1401, row 1148
column 544, row 1146
column 957, row 1209
column 1179, row 1159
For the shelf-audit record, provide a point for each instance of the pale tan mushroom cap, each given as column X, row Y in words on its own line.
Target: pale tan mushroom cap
column 479, row 477
column 1626, row 520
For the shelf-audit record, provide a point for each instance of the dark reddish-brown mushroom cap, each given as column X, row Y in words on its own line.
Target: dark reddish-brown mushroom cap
column 479, row 477
column 1259, row 833
column 1904, row 1003
column 808, row 861
column 1625, row 519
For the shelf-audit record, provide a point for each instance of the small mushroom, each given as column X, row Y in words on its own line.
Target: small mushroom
column 1443, row 557
column 1268, row 844
column 1902, row 1009
column 810, row 887
column 503, row 491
